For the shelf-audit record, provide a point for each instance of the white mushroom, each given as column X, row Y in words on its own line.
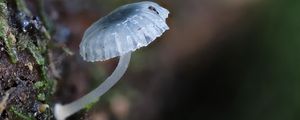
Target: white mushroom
column 124, row 30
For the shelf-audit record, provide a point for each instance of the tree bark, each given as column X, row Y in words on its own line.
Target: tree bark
column 25, row 85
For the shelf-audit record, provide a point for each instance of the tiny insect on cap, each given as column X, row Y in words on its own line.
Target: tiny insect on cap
column 124, row 30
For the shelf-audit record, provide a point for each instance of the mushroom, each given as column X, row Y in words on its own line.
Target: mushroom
column 121, row 32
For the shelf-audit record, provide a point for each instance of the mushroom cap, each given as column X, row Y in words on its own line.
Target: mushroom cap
column 124, row 30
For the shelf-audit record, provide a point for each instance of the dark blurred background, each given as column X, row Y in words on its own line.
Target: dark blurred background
column 220, row 60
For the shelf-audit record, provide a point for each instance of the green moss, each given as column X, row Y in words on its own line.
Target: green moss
column 45, row 85
column 20, row 115
column 39, row 85
column 11, row 47
column 35, row 51
column 44, row 89
column 10, row 43
column 8, row 38
column 41, row 97
column 17, row 42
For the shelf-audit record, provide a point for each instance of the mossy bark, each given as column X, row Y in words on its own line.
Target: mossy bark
column 25, row 85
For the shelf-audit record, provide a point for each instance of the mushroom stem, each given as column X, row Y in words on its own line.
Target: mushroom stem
column 61, row 112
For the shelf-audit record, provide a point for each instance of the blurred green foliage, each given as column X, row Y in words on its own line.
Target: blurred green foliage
column 271, row 88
